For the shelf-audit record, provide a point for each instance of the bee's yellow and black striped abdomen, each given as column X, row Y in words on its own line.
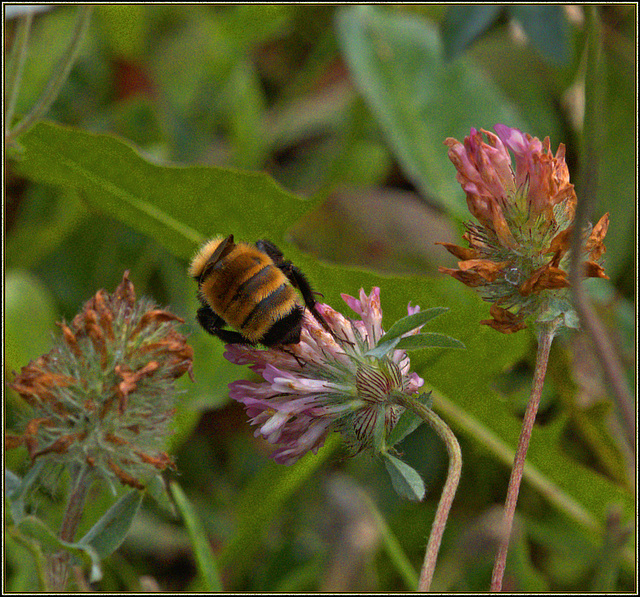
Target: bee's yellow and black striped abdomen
column 248, row 291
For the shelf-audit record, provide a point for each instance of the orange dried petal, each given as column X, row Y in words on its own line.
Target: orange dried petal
column 125, row 478
column 486, row 269
column 546, row 277
column 471, row 279
column 595, row 243
column 560, row 242
column 594, row 270
column 461, row 253
column 504, row 321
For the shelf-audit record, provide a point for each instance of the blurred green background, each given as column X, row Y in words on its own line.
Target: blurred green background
column 322, row 128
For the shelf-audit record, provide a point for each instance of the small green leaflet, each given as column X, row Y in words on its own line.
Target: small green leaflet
column 406, row 481
column 109, row 532
column 429, row 340
column 403, row 326
column 16, row 489
column 35, row 528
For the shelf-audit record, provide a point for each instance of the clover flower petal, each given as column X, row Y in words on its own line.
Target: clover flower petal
column 324, row 383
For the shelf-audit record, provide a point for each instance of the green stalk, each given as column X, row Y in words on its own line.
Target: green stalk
column 448, row 491
column 591, row 147
column 59, row 76
column 58, row 563
column 16, row 66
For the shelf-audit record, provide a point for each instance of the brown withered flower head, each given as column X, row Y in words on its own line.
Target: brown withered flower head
column 518, row 253
column 102, row 397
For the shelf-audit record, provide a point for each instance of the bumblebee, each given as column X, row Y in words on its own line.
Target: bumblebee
column 250, row 288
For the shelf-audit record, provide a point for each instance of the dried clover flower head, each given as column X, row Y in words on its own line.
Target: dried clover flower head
column 326, row 382
column 518, row 254
column 102, row 397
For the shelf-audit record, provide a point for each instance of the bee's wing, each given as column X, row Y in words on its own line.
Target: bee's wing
column 225, row 247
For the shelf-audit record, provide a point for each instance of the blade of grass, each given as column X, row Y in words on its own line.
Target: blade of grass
column 205, row 560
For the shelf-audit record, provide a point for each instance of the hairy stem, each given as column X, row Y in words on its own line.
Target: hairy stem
column 547, row 333
column 448, row 491
column 58, row 569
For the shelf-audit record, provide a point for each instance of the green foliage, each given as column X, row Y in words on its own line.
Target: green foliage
column 463, row 24
column 418, row 98
column 204, row 557
column 406, row 481
column 547, row 28
column 29, row 310
column 143, row 165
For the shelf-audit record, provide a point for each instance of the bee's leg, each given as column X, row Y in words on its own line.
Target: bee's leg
column 286, row 330
column 299, row 280
column 214, row 324
column 267, row 247
column 301, row 362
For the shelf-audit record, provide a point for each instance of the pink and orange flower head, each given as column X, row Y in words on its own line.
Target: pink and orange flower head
column 518, row 253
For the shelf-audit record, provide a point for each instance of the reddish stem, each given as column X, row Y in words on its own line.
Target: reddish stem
column 542, row 358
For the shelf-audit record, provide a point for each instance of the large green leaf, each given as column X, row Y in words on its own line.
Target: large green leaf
column 463, row 24
column 178, row 206
column 419, row 99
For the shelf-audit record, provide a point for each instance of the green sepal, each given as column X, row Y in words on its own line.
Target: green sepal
column 380, row 431
column 409, row 421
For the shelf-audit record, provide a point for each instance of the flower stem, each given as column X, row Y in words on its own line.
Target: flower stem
column 448, row 491
column 58, row 569
column 591, row 150
column 547, row 333
column 16, row 66
column 59, row 76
